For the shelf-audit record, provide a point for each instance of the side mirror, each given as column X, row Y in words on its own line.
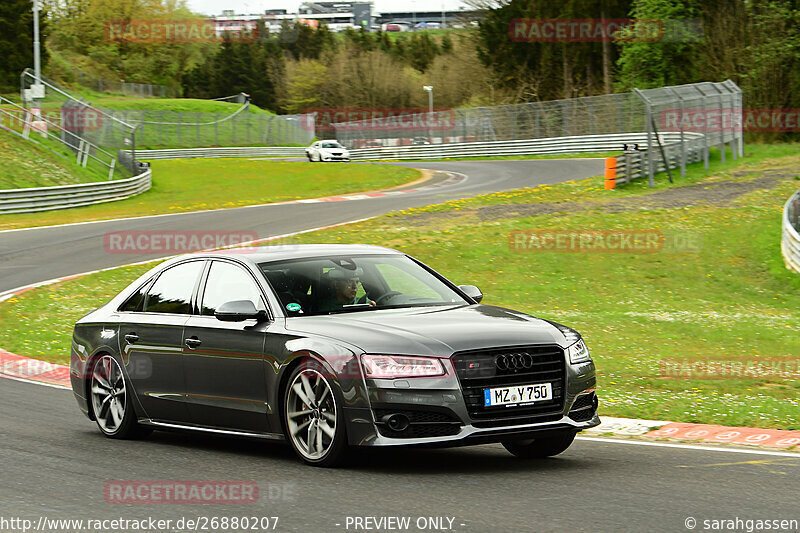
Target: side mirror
column 472, row 291
column 237, row 311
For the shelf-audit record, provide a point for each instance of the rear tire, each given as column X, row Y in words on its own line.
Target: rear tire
column 110, row 397
column 313, row 420
column 540, row 448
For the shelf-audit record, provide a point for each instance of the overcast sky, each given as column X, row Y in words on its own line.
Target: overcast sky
column 215, row 7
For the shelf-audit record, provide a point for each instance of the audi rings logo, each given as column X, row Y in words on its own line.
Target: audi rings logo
column 514, row 361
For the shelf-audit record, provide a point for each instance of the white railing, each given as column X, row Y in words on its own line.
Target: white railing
column 232, row 151
column 790, row 242
column 32, row 200
column 554, row 145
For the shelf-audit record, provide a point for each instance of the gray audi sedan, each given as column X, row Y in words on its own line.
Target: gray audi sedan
column 329, row 347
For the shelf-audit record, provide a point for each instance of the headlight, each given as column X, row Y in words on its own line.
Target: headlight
column 400, row 366
column 578, row 353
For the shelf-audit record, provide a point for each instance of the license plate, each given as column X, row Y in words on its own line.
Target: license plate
column 518, row 394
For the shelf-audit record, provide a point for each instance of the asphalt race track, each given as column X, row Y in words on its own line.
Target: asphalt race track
column 55, row 463
column 39, row 254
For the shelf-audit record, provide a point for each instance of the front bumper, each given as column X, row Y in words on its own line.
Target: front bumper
column 439, row 414
column 469, row 434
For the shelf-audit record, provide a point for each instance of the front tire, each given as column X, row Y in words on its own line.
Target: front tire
column 540, row 448
column 313, row 418
column 111, row 401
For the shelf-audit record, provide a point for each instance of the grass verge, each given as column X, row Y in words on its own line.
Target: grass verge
column 183, row 185
column 728, row 298
column 27, row 164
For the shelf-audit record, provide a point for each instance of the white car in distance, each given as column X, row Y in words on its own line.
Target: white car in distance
column 327, row 151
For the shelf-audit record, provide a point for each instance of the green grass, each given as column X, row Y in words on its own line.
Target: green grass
column 731, row 299
column 184, row 185
column 27, row 164
column 176, row 105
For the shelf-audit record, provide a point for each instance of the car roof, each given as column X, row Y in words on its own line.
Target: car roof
column 264, row 254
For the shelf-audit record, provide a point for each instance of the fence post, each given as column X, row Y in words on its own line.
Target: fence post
column 648, row 113
column 740, row 107
column 628, row 170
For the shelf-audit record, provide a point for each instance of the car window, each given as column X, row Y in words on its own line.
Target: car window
column 136, row 302
column 324, row 285
column 402, row 281
column 331, row 145
column 172, row 291
column 227, row 283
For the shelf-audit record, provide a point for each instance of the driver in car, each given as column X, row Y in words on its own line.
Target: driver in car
column 345, row 288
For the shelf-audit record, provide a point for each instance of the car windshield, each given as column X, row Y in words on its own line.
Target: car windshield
column 338, row 284
column 331, row 145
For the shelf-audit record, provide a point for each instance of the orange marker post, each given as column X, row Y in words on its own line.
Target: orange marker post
column 611, row 173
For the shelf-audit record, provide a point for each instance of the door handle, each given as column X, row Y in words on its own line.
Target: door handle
column 192, row 342
column 131, row 338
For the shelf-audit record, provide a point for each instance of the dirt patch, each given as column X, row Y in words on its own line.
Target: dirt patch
column 717, row 193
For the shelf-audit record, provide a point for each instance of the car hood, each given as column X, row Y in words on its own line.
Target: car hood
column 430, row 331
column 330, row 150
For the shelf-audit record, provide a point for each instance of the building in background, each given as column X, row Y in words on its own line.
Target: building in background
column 339, row 16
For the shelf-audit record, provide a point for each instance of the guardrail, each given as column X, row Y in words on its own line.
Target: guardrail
column 33, row 200
column 633, row 164
column 554, row 145
column 790, row 242
column 232, row 151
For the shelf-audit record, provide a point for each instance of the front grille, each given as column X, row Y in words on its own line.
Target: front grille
column 422, row 424
column 583, row 408
column 502, row 367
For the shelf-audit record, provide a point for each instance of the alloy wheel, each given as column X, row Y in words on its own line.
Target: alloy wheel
column 109, row 395
column 311, row 414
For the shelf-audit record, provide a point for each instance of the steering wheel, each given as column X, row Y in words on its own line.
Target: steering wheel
column 382, row 297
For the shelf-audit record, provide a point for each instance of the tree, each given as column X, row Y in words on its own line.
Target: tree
column 539, row 70
column 16, row 40
column 673, row 60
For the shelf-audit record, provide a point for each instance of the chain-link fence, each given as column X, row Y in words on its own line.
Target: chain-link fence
column 593, row 115
column 171, row 129
column 76, row 123
column 140, row 90
column 633, row 112
column 714, row 110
